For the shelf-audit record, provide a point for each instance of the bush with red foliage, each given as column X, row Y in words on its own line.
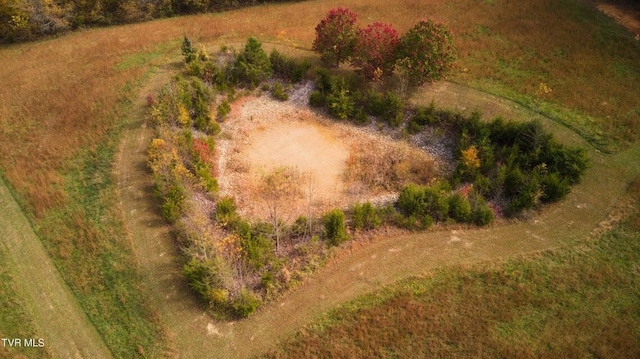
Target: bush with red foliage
column 375, row 49
column 336, row 36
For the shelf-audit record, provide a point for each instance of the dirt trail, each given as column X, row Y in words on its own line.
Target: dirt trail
column 355, row 272
column 59, row 320
column 627, row 15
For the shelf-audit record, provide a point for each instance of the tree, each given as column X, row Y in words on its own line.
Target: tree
column 278, row 189
column 252, row 64
column 334, row 227
column 188, row 51
column 426, row 52
column 336, row 36
column 375, row 49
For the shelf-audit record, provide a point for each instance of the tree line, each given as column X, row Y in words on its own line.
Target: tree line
column 25, row 20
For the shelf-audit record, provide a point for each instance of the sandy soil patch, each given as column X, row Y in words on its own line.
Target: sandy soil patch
column 305, row 146
column 331, row 164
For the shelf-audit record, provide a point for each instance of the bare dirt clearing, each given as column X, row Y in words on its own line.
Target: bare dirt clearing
column 335, row 164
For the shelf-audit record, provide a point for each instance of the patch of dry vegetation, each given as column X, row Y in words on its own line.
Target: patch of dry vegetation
column 388, row 170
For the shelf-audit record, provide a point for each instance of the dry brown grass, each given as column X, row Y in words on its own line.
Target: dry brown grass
column 388, row 169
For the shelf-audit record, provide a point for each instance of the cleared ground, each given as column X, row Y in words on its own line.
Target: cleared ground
column 333, row 165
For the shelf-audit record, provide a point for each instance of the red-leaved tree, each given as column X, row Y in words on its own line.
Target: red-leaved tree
column 336, row 36
column 375, row 49
column 426, row 52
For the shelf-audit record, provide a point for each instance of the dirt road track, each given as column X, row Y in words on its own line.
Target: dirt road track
column 383, row 262
column 58, row 318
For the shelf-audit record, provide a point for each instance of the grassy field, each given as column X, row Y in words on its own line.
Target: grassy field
column 38, row 303
column 573, row 303
column 15, row 322
column 64, row 100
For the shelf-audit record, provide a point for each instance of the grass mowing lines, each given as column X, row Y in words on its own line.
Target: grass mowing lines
column 572, row 301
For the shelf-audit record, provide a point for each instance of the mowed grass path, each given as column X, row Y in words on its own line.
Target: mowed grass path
column 59, row 320
column 58, row 96
column 368, row 267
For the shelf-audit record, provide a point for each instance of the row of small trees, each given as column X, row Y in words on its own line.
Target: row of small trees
column 424, row 54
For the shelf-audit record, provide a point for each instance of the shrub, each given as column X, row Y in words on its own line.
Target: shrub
column 266, row 280
column 208, row 182
column 393, row 109
column 482, row 185
column 171, row 210
column 198, row 275
column 569, row 163
column 340, row 102
column 258, row 250
column 554, row 188
column 334, row 226
column 226, row 211
column 365, row 216
column 336, row 36
column 173, row 205
column 375, row 49
column 194, row 68
column 360, row 117
column 279, row 92
column 245, row 304
column 223, row 110
column 188, row 51
column 198, row 98
column 481, row 213
column 374, row 103
column 424, row 116
column 300, row 226
column 325, row 83
column 435, row 203
column 219, row 298
column 317, row 99
column 287, row 68
column 525, row 198
column 514, row 181
column 459, row 208
column 252, row 65
column 410, row 200
column 427, row 51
